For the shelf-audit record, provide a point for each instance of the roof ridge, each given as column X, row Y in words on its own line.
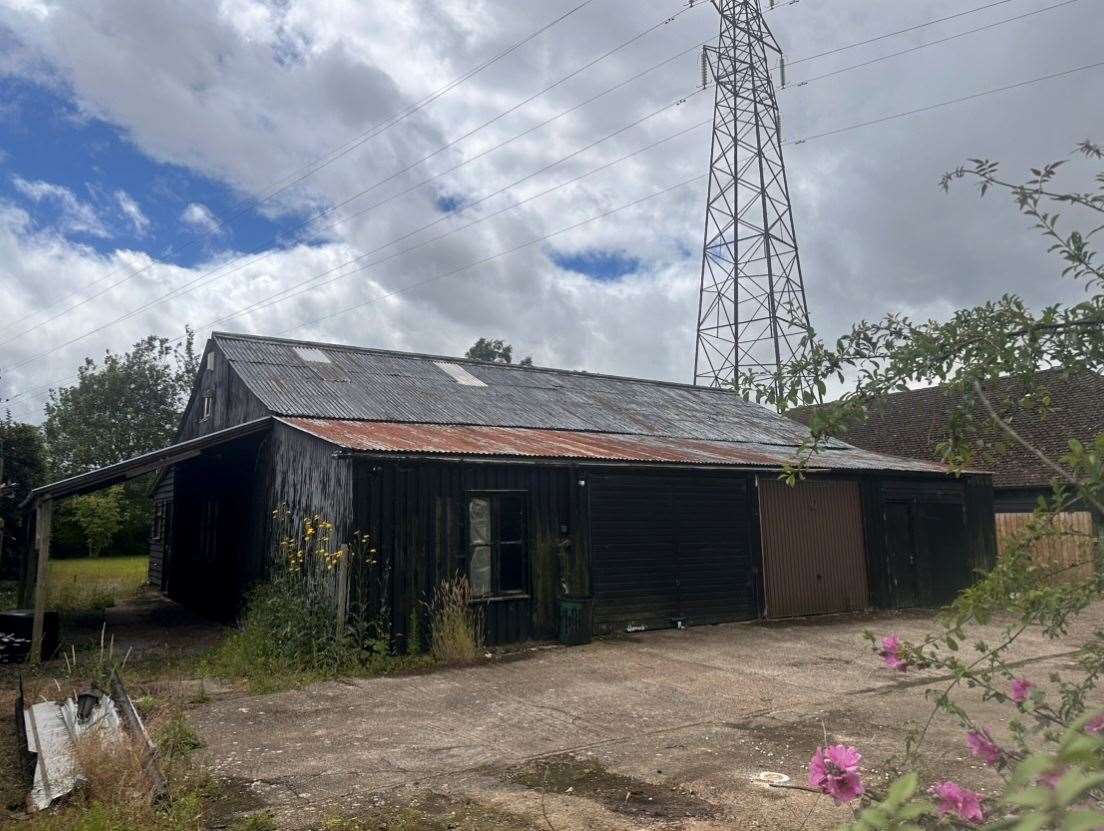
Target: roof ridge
column 453, row 359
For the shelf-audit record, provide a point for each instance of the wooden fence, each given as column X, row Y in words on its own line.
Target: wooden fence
column 1069, row 552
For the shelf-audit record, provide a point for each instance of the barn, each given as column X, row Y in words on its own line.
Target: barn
column 913, row 423
column 659, row 503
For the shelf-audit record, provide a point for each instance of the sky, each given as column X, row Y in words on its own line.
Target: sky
column 397, row 175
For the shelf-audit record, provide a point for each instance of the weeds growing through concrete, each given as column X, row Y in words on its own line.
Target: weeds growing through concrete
column 457, row 627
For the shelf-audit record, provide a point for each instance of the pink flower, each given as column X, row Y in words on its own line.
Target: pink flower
column 960, row 801
column 891, row 647
column 1021, row 689
column 1095, row 725
column 835, row 771
column 982, row 745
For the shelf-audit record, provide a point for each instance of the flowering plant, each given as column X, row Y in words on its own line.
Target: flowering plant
column 1048, row 754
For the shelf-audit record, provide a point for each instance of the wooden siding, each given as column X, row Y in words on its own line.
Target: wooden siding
column 1068, row 555
column 671, row 548
column 160, row 547
column 234, row 403
column 813, row 547
column 415, row 515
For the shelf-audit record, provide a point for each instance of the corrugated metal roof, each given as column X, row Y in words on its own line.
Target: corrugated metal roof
column 410, row 388
column 522, row 442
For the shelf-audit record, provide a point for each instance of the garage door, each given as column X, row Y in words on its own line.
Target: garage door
column 814, row 559
column 669, row 549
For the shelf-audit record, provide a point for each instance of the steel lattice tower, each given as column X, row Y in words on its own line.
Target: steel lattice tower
column 752, row 314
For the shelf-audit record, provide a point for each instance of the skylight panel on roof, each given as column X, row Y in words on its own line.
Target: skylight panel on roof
column 321, row 363
column 312, row 355
column 459, row 374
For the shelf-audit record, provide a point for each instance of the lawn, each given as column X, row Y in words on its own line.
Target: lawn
column 92, row 584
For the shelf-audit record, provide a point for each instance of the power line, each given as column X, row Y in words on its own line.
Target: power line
column 225, row 269
column 877, row 38
column 317, row 282
column 931, row 43
column 313, row 167
column 336, row 207
column 499, row 254
column 949, row 103
column 859, row 125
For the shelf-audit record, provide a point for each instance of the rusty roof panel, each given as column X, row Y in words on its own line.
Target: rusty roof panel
column 522, row 442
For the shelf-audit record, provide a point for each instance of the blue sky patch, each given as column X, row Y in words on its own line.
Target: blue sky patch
column 83, row 178
column 597, row 264
column 448, row 203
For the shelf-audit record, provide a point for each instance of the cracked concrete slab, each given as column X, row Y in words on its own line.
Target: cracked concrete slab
column 701, row 711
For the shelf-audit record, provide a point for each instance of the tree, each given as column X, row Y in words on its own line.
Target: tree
column 127, row 405
column 23, row 467
column 100, row 517
column 495, row 352
column 124, row 406
column 1051, row 754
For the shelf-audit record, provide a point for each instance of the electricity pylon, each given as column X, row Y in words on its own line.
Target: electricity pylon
column 752, row 314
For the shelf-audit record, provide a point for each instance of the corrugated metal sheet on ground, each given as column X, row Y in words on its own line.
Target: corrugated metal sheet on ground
column 523, row 442
column 401, row 387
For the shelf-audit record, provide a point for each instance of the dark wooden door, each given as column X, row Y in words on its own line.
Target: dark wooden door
column 715, row 574
column 904, row 582
column 634, row 569
column 669, row 550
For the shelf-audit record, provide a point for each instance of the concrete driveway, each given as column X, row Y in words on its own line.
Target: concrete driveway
column 657, row 730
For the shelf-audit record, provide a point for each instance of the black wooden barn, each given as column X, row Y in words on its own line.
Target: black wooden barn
column 660, row 501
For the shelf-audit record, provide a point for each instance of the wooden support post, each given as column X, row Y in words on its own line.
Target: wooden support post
column 44, row 511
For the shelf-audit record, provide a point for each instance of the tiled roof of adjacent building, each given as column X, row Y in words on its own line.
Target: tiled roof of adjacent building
column 913, row 423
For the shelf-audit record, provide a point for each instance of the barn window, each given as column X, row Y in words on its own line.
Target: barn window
column 208, row 405
column 158, row 520
column 497, row 560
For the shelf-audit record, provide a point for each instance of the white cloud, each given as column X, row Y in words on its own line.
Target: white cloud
column 249, row 92
column 74, row 216
column 139, row 222
column 201, row 219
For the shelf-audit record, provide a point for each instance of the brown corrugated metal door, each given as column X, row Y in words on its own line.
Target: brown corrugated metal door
column 814, row 560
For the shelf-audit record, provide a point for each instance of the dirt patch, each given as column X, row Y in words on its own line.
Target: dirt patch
column 589, row 779
column 427, row 812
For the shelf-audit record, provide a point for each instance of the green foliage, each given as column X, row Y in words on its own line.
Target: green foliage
column 254, row 822
column 456, row 625
column 121, row 407
column 124, row 406
column 24, row 467
column 1050, row 754
column 495, row 352
column 99, row 515
column 176, row 739
column 290, row 634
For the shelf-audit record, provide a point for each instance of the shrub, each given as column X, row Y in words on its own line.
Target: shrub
column 457, row 627
column 290, row 632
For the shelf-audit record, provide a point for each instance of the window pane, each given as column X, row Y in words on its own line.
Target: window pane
column 479, row 570
column 511, row 522
column 479, row 520
column 512, row 571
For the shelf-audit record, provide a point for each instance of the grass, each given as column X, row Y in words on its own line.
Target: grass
column 457, row 629
column 118, row 796
column 95, row 584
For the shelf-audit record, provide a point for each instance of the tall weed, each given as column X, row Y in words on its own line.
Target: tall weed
column 457, row 626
